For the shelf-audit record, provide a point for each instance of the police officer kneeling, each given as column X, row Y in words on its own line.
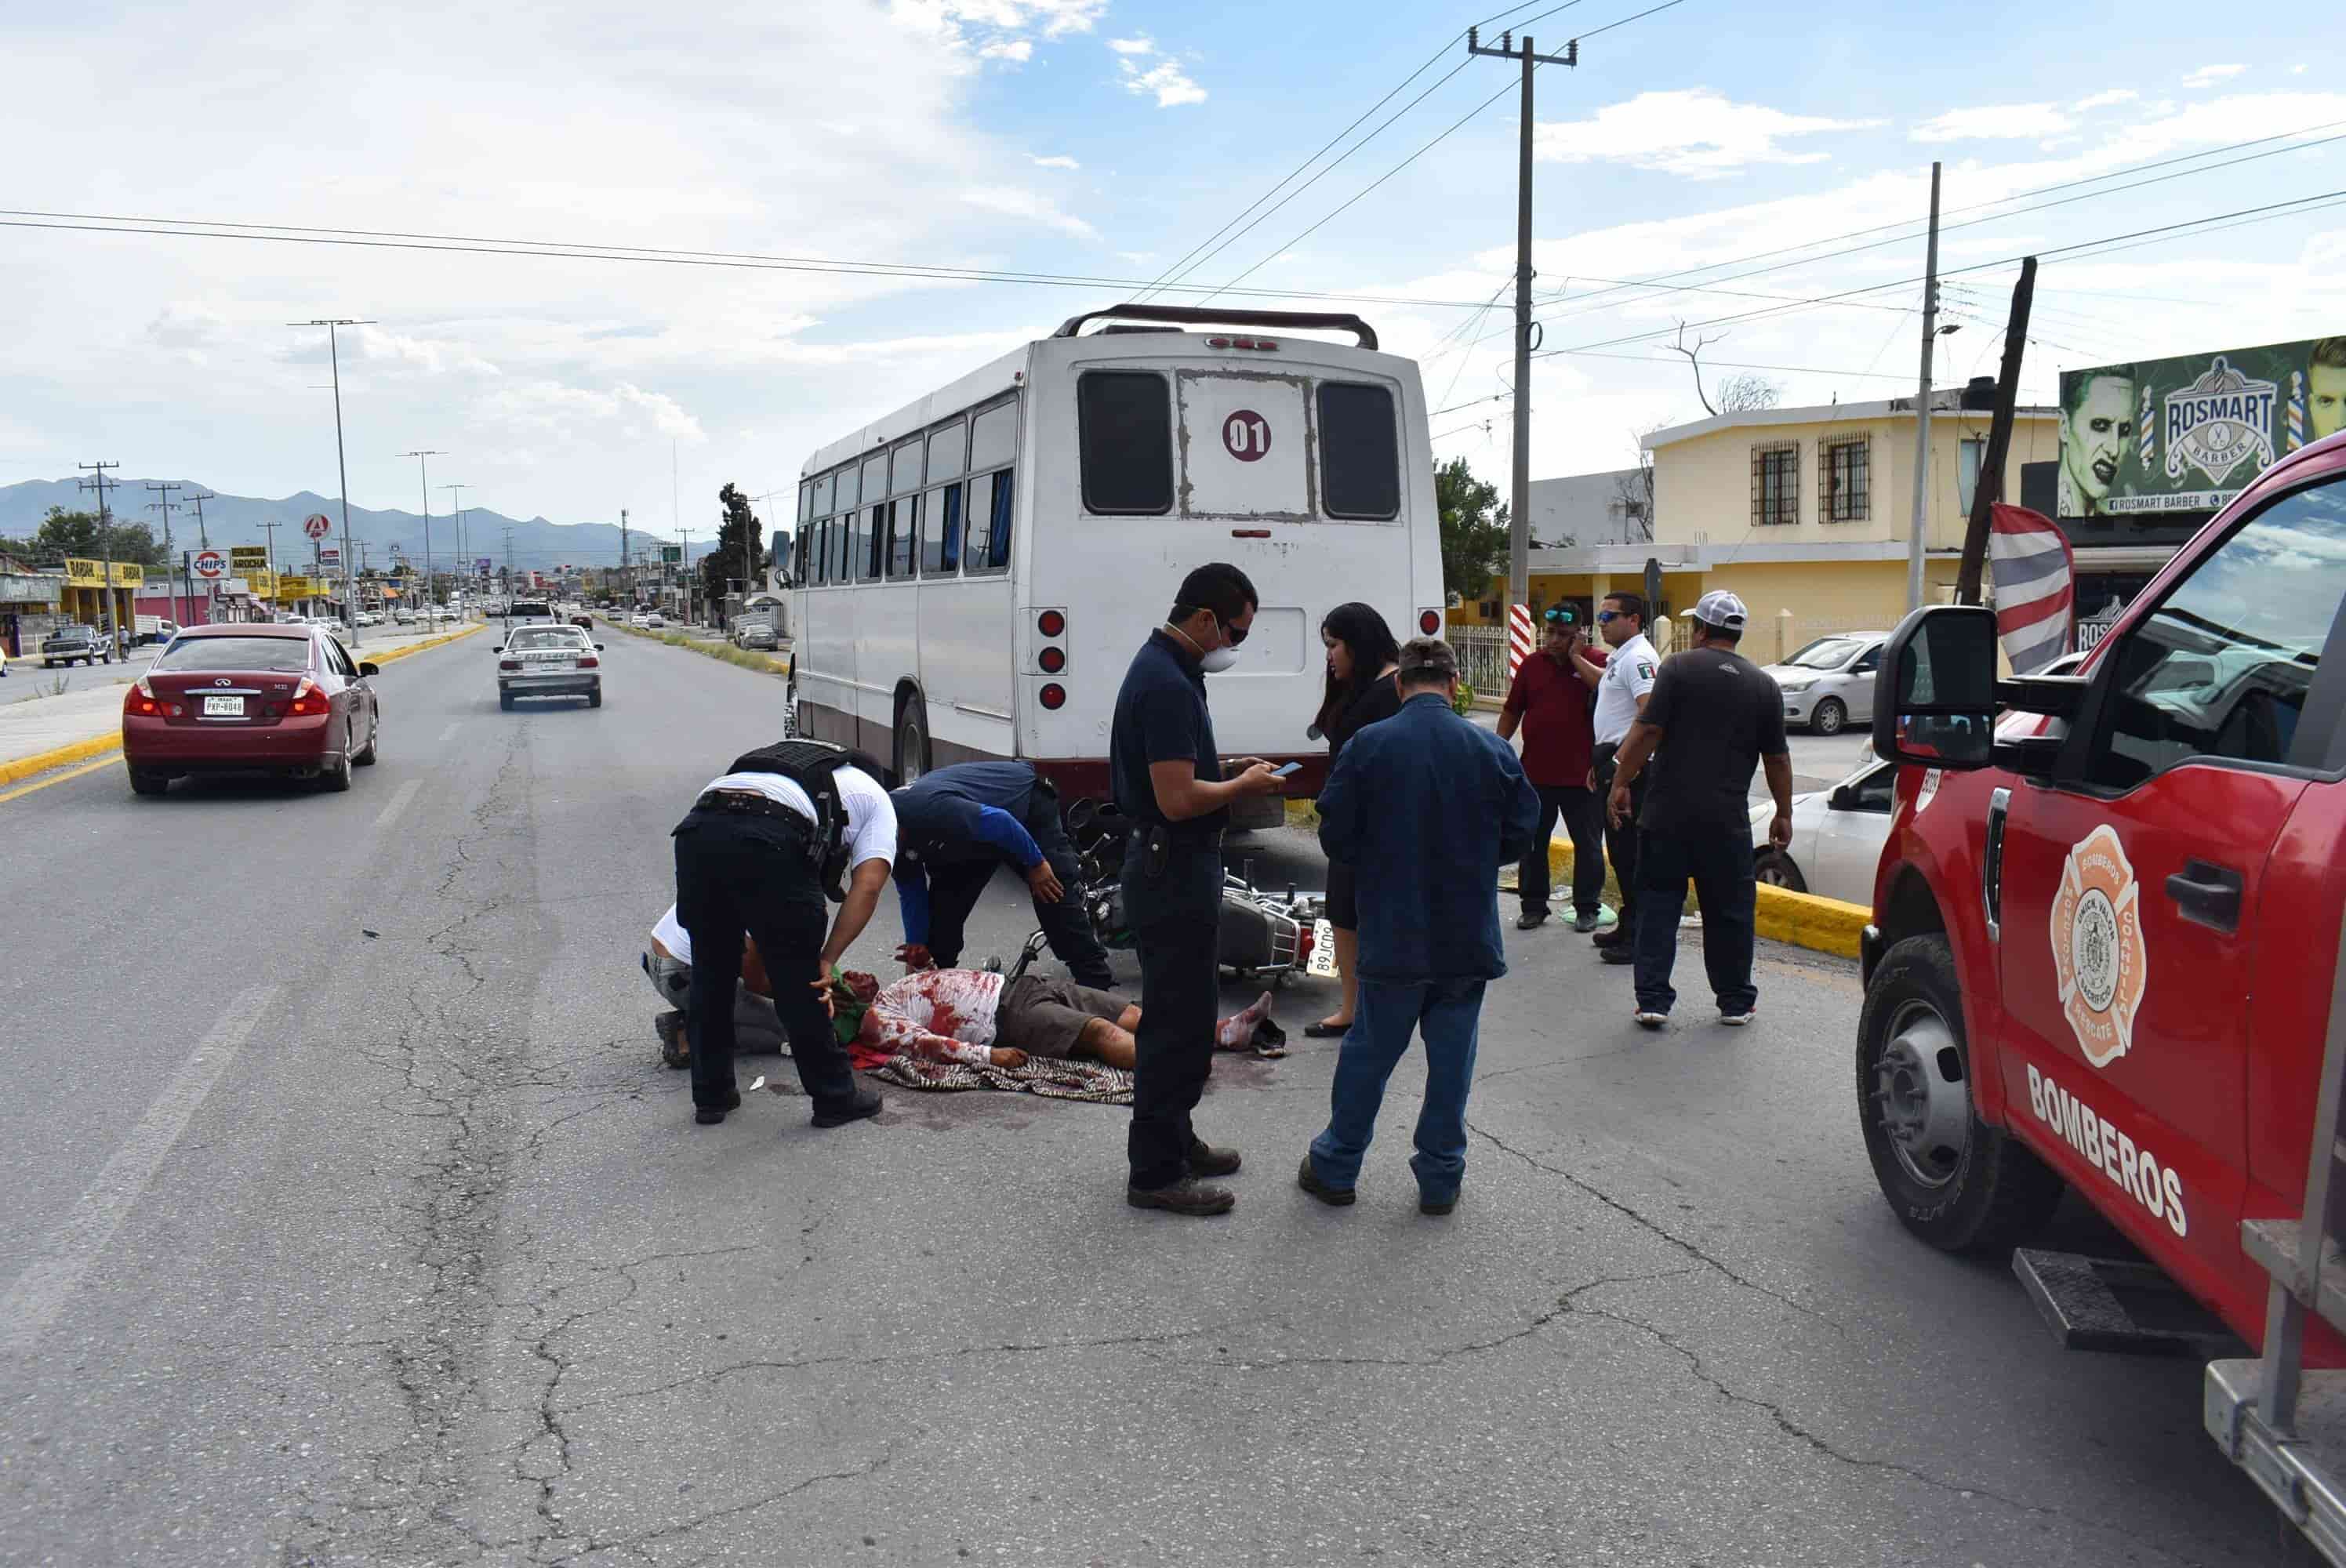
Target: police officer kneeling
column 787, row 826
column 1168, row 779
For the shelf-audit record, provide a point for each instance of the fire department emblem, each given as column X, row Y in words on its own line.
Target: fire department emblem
column 2097, row 951
column 2217, row 422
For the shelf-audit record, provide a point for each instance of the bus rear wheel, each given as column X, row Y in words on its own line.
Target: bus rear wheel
column 912, row 743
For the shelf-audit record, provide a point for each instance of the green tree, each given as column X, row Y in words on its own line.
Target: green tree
column 1473, row 529
column 63, row 533
column 722, row 566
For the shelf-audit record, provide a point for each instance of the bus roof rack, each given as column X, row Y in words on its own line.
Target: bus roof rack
column 1192, row 316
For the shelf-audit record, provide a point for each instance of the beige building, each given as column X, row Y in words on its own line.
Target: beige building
column 1803, row 513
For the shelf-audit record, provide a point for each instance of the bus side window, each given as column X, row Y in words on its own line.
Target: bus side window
column 989, row 522
column 905, row 537
column 798, row 553
column 941, row 533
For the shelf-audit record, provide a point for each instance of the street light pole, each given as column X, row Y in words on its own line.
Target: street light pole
column 464, row 559
column 341, row 463
column 423, row 472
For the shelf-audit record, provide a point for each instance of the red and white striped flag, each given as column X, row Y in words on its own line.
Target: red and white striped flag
column 1520, row 639
column 2036, row 579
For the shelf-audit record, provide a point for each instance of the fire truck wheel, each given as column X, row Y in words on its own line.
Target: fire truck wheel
column 1957, row 1183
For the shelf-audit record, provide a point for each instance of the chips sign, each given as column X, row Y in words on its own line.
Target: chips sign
column 208, row 563
column 2187, row 434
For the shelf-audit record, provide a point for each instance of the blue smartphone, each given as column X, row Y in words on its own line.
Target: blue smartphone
column 1283, row 772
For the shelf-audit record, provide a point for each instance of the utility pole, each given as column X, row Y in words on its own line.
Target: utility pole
column 1922, row 409
column 463, row 561
column 341, row 465
column 101, row 484
column 627, row 586
column 1989, row 489
column 422, row 474
column 1519, row 510
column 204, row 542
column 167, row 506
column 271, row 527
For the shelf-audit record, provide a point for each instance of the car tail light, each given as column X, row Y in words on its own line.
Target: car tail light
column 140, row 698
column 1052, row 659
column 1430, row 622
column 509, row 664
column 308, row 698
column 588, row 661
column 1054, row 697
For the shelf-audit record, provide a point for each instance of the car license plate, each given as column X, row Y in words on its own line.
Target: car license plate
column 223, row 708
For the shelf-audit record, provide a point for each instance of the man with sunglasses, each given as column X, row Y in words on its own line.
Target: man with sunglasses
column 1170, row 782
column 1622, row 683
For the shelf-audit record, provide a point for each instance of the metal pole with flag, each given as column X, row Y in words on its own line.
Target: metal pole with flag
column 2035, row 578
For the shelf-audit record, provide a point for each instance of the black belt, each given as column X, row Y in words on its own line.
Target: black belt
column 1184, row 836
column 742, row 803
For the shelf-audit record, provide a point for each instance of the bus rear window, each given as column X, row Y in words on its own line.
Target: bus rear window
column 1124, row 429
column 1360, row 451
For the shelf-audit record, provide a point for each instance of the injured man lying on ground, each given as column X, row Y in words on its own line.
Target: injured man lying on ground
column 966, row 1015
column 977, row 1017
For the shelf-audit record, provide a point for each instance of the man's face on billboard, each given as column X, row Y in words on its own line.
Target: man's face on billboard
column 2094, row 436
column 2325, row 387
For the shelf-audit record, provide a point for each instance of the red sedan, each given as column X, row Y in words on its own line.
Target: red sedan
column 249, row 698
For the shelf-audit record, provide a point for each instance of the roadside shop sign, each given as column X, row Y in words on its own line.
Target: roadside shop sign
column 93, row 575
column 2187, row 434
column 243, row 555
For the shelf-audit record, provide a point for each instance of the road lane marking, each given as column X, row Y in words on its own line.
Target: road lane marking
column 449, row 734
column 61, row 778
column 399, row 799
column 41, row 1292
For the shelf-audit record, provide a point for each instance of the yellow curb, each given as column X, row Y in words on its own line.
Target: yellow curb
column 99, row 746
column 42, row 761
column 1799, row 919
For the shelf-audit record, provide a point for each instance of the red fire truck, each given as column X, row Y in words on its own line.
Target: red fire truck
column 2106, row 952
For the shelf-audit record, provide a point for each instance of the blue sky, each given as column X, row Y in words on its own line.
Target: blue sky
column 1103, row 137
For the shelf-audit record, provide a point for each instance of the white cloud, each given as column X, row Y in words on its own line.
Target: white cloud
column 550, row 409
column 187, row 324
column 2104, row 100
column 2209, row 76
column 1059, row 160
column 1021, row 50
column 1167, row 79
column 1012, row 202
column 1993, row 122
column 1695, row 132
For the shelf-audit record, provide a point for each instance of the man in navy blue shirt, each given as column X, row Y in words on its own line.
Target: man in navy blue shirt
column 954, row 828
column 1426, row 808
column 1169, row 782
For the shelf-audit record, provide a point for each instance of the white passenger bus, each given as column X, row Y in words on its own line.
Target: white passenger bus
column 975, row 571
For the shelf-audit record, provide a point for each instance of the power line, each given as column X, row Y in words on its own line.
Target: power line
column 474, row 245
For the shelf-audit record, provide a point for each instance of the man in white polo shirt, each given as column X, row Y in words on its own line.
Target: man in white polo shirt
column 785, row 827
column 1622, row 682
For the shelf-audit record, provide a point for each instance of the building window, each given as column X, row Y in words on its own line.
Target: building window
column 1845, row 480
column 1972, row 455
column 1776, row 482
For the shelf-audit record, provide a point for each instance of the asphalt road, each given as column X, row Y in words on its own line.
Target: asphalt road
column 353, row 1221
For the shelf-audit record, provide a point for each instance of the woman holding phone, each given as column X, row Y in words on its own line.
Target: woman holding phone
column 1362, row 659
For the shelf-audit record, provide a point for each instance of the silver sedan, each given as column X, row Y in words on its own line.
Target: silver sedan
column 549, row 661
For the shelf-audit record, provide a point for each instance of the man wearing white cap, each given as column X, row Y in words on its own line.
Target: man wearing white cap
column 1717, row 716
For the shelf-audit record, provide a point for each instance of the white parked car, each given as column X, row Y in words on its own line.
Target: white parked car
column 1837, row 836
column 655, row 620
column 1829, row 684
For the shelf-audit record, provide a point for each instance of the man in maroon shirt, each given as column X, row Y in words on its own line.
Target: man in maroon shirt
column 1550, row 703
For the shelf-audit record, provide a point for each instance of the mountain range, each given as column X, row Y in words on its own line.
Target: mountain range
column 537, row 542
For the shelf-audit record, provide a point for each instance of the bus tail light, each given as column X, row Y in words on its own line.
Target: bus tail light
column 1429, row 623
column 1051, row 624
column 1052, row 659
column 1050, row 656
column 1054, row 697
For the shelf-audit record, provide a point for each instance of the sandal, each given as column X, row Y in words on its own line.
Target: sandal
column 1323, row 1030
column 674, row 1051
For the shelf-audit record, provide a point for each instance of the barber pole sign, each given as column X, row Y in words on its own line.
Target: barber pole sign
column 1519, row 637
column 2036, row 579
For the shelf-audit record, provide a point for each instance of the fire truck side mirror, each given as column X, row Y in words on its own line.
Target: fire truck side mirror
column 1934, row 694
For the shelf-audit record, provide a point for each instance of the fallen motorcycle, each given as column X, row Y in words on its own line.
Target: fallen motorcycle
column 1264, row 935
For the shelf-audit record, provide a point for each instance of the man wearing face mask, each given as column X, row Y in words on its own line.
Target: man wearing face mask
column 1169, row 782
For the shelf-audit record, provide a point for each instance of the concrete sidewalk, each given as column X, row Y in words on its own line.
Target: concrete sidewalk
column 85, row 718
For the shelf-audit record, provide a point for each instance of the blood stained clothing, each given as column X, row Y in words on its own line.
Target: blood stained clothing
column 946, row 1015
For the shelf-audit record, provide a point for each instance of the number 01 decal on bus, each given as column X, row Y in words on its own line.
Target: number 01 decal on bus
column 1245, row 434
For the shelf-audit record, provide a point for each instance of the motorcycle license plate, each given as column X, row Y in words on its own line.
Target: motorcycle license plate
column 1324, row 951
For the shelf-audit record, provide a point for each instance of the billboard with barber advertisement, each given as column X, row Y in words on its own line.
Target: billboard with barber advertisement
column 2187, row 434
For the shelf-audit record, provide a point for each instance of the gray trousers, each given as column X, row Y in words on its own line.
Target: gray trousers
column 757, row 1027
